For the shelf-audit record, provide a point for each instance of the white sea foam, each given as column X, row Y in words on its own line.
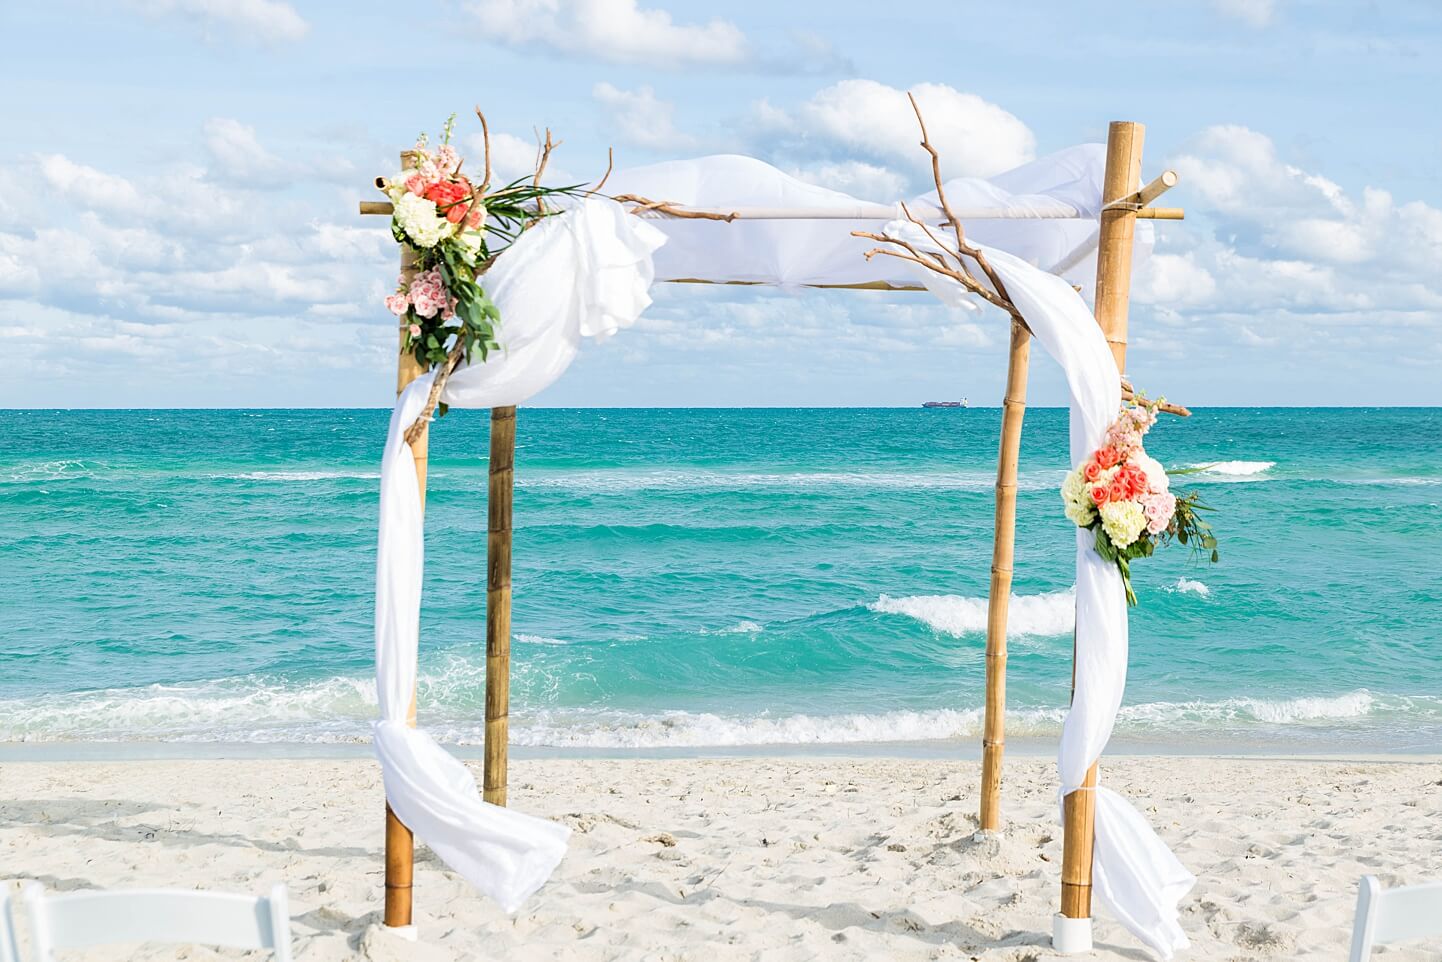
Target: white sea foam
column 637, row 480
column 40, row 471
column 1043, row 615
column 540, row 640
column 1187, row 586
column 742, row 627
column 341, row 709
column 1234, row 470
column 705, row 730
column 304, row 475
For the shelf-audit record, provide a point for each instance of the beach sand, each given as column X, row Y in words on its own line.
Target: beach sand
column 765, row 858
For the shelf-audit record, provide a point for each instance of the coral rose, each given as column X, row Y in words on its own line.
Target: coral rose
column 1091, row 471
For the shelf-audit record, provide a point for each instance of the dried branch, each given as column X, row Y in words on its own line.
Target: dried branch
column 645, row 205
column 996, row 294
column 610, row 165
column 1129, row 394
column 951, row 220
column 453, row 361
column 938, row 264
column 486, row 140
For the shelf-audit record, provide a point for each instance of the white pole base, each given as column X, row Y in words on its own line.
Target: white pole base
column 1071, row 936
column 408, row 932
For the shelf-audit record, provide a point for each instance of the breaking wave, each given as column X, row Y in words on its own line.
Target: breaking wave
column 1043, row 615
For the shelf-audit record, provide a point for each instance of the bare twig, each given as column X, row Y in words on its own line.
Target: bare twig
column 610, row 165
column 645, row 205
column 1129, row 394
column 453, row 361
column 941, row 261
column 486, row 140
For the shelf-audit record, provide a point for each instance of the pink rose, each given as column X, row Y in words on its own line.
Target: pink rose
column 1101, row 495
column 1159, row 509
column 415, row 330
column 398, row 304
column 1092, row 471
column 1108, row 457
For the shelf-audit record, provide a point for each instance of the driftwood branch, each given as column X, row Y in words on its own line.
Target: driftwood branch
column 486, row 141
column 643, row 205
column 1129, row 394
column 610, row 166
column 948, row 260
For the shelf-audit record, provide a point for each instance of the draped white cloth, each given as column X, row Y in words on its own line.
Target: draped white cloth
column 791, row 253
column 583, row 273
column 1133, row 872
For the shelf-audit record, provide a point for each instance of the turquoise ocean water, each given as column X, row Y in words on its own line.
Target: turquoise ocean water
column 701, row 578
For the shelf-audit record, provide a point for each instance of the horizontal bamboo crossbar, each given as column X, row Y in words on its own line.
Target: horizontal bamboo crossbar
column 858, row 212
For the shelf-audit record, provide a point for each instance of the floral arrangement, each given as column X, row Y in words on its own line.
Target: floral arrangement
column 456, row 228
column 1124, row 496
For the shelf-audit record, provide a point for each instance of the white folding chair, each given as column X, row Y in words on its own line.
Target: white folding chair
column 1394, row 915
column 74, row 920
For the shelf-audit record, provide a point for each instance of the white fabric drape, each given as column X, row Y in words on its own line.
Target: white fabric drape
column 790, row 253
column 1133, row 872
column 582, row 273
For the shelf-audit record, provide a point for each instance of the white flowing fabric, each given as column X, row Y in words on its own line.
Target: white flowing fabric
column 1134, row 873
column 791, row 253
column 582, row 273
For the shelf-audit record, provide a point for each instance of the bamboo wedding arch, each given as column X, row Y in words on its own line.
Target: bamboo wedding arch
column 1125, row 200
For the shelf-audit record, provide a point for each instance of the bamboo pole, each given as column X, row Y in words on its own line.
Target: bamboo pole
column 498, row 601
column 400, row 843
column 998, row 599
column 1114, row 274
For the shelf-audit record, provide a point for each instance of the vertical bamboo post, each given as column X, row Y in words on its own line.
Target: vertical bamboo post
column 400, row 844
column 999, row 597
column 498, row 601
column 1114, row 277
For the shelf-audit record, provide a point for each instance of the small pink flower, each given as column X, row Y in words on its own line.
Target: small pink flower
column 398, row 304
column 414, row 330
column 1159, row 509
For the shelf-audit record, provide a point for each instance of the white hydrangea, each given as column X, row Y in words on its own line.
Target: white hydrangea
column 1156, row 474
column 1123, row 521
column 1079, row 507
column 471, row 241
column 422, row 224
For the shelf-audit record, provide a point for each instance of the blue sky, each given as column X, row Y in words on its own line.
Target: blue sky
column 180, row 228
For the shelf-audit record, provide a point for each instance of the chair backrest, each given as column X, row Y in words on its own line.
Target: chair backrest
column 9, row 952
column 74, row 920
column 1394, row 915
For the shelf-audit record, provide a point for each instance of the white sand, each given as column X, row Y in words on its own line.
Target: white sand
column 744, row 858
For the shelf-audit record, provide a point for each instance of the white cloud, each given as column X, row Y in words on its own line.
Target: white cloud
column 1174, row 280
column 870, row 121
column 90, row 187
column 641, row 118
column 1254, row 13
column 616, row 31
column 1275, row 256
column 266, row 20
column 237, row 152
